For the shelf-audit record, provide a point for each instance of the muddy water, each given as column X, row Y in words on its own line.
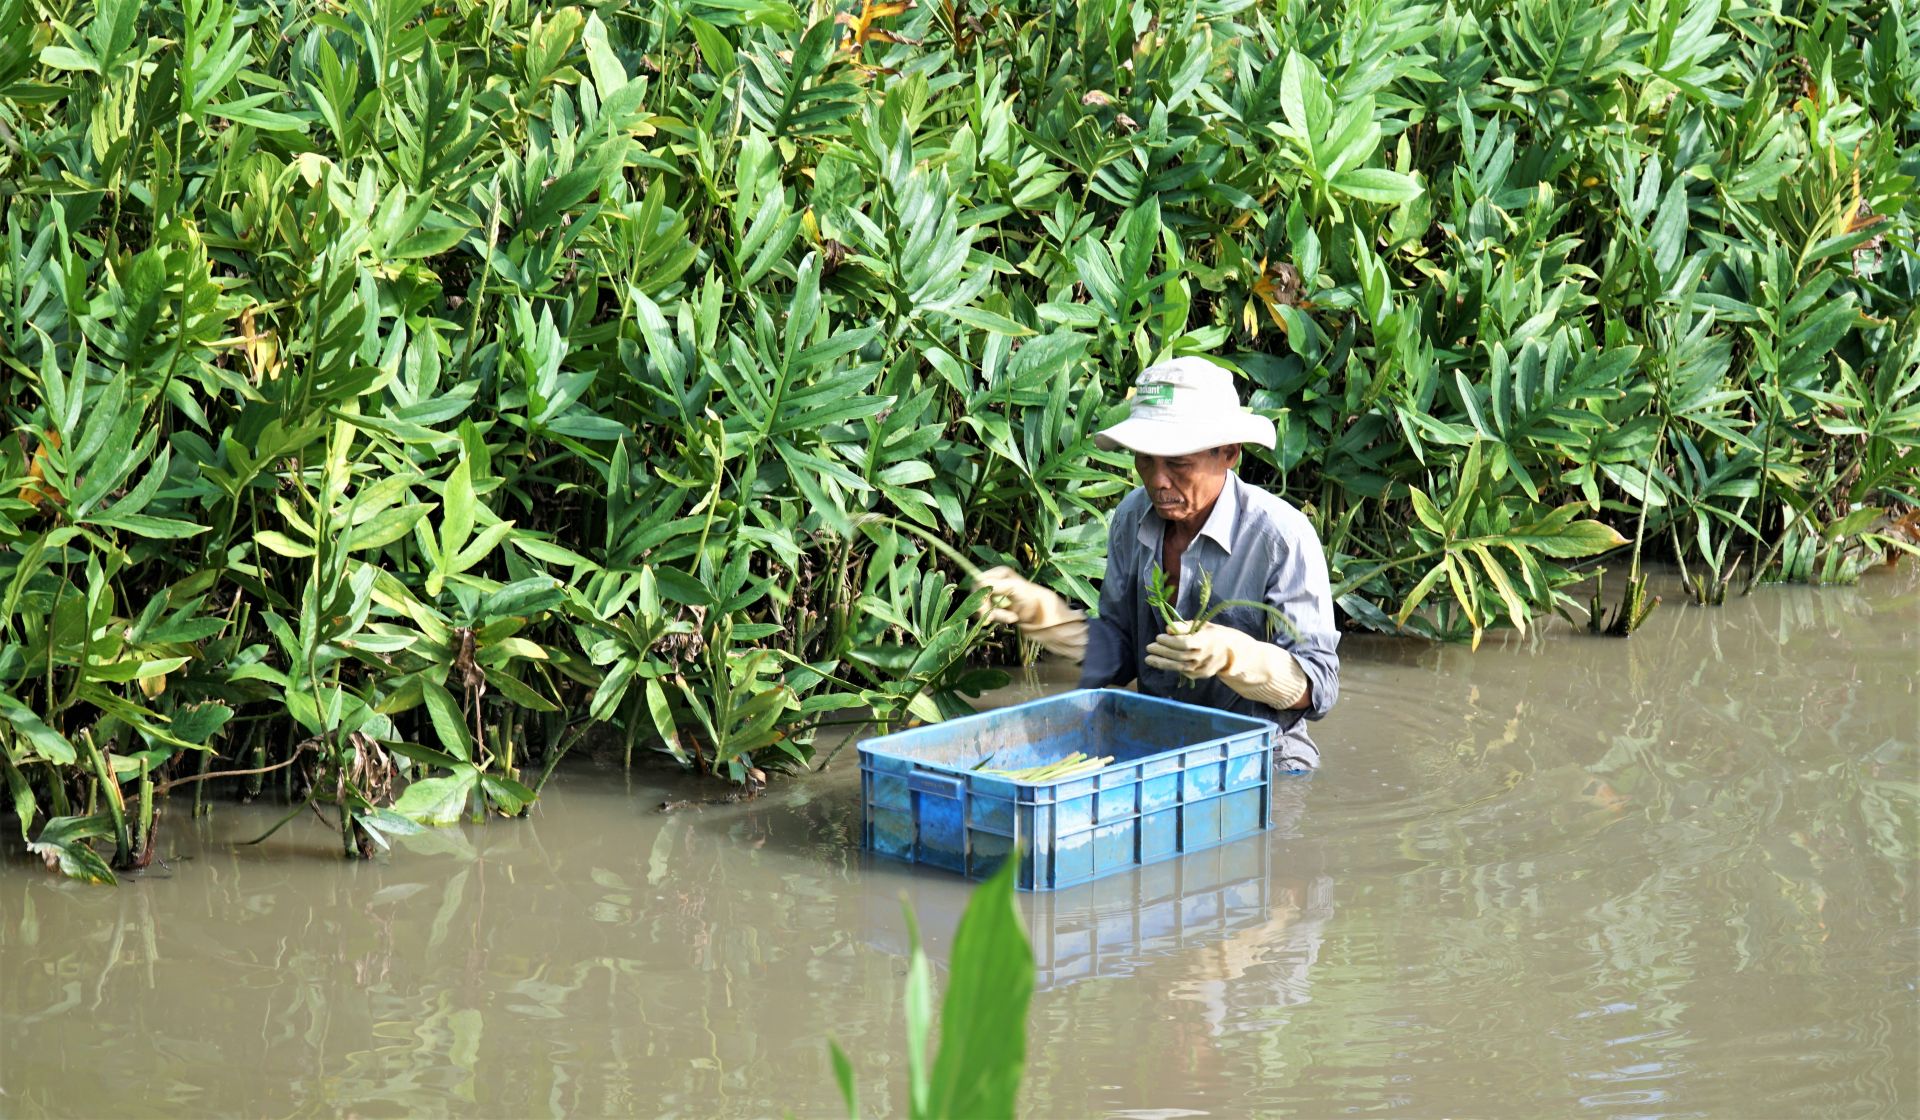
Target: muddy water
column 1562, row 876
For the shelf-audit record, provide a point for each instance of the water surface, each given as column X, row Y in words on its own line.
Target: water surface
column 1561, row 876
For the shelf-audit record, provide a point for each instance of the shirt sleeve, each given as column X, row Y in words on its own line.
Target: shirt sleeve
column 1299, row 589
column 1110, row 660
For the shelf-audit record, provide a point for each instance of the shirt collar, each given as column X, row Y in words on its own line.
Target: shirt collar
column 1226, row 512
column 1219, row 525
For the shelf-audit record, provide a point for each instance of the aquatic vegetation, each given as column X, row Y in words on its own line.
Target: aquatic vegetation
column 397, row 395
column 983, row 1018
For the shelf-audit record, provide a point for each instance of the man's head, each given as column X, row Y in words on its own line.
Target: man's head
column 1183, row 488
column 1186, row 409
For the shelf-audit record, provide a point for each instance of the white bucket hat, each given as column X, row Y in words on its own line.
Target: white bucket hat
column 1182, row 406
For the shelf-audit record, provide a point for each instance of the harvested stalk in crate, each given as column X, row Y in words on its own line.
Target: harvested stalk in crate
column 1076, row 765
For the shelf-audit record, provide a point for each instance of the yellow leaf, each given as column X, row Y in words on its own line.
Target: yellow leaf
column 312, row 167
column 262, row 350
column 861, row 29
column 33, row 493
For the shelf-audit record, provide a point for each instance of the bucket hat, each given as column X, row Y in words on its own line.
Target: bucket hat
column 1185, row 405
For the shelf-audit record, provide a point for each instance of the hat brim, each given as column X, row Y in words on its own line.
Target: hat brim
column 1160, row 437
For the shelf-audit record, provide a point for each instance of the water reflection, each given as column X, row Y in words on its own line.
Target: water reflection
column 1561, row 876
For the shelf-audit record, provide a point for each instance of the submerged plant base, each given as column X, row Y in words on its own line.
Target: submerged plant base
column 1622, row 621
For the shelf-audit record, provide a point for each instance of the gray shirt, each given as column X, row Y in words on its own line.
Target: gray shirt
column 1257, row 547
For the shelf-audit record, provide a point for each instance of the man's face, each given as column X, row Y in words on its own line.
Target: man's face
column 1183, row 487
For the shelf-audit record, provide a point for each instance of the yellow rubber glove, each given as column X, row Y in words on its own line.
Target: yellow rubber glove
column 1042, row 616
column 1255, row 669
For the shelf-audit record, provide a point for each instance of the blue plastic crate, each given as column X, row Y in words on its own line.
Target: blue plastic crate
column 1184, row 777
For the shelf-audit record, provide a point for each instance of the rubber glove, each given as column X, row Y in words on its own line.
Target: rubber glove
column 1255, row 669
column 1042, row 616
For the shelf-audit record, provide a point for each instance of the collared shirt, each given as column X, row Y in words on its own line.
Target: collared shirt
column 1257, row 547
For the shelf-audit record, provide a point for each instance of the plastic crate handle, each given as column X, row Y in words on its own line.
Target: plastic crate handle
column 940, row 785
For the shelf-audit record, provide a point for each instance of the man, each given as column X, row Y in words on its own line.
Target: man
column 1192, row 515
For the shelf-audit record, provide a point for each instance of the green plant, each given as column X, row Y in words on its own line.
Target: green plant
column 982, row 1055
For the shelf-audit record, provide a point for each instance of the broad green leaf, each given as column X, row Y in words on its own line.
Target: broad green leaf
column 251, row 111
column 382, row 823
column 681, row 587
column 449, row 723
column 438, row 801
column 385, row 527
column 1419, row 593
column 662, row 717
column 1375, row 184
column 1853, row 524
column 51, row 745
column 24, row 806
column 988, row 321
column 63, row 845
column 198, row 723
column 1575, row 539
column 429, row 242
column 506, row 794
column 1669, row 236
column 983, row 1018
column 477, row 550
column 66, row 58
column 456, row 524
column 714, row 47
column 426, row 756
column 145, row 525
column 1302, row 96
column 519, row 694
column 613, row 689
column 523, row 597
column 609, row 73
column 923, row 706
column 511, row 647
column 1516, row 608
column 1426, row 511
column 273, row 540
column 1460, row 581
column 1353, row 139
column 134, row 669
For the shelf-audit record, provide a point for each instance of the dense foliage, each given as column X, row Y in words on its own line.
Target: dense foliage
column 393, row 390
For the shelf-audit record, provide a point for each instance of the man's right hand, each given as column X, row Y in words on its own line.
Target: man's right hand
column 1042, row 615
column 1012, row 599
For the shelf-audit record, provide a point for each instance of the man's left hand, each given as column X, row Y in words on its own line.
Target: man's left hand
column 1195, row 656
column 1255, row 669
